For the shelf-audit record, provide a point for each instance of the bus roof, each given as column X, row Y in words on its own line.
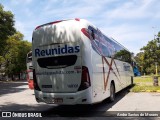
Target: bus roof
column 58, row 21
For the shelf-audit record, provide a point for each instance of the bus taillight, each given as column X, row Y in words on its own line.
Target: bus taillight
column 36, row 87
column 85, row 79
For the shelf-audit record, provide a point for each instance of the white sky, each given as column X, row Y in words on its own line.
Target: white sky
column 130, row 22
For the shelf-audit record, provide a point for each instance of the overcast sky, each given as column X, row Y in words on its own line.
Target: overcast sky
column 131, row 22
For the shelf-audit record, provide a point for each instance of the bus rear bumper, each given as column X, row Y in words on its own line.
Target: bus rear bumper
column 80, row 97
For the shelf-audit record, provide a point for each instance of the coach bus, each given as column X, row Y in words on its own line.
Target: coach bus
column 29, row 70
column 75, row 63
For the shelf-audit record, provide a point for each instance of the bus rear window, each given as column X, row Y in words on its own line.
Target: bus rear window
column 57, row 62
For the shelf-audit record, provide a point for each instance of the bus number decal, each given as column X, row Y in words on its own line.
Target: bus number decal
column 72, row 85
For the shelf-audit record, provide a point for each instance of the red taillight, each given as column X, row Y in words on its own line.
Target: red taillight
column 85, row 79
column 85, row 74
column 36, row 87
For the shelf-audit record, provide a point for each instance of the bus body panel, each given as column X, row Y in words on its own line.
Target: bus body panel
column 58, row 56
column 64, row 78
column 60, row 82
column 81, row 97
column 29, row 71
column 104, row 68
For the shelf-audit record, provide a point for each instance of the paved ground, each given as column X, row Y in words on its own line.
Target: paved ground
column 16, row 96
column 138, row 102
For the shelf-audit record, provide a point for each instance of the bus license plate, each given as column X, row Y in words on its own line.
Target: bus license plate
column 57, row 100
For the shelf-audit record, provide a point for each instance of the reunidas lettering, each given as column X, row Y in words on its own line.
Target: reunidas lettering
column 60, row 50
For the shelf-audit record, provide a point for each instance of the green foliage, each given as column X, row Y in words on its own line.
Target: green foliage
column 149, row 56
column 13, row 49
column 6, row 27
column 24, row 47
column 123, row 55
column 15, row 54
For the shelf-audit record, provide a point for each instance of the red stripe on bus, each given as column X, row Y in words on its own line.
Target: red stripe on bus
column 85, row 32
column 110, row 69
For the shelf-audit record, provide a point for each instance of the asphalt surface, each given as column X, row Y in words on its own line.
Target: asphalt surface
column 16, row 96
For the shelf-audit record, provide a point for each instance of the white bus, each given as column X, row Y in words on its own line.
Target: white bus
column 29, row 70
column 75, row 63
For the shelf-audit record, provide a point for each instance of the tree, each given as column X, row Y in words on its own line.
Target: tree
column 149, row 56
column 15, row 54
column 123, row 55
column 6, row 27
column 13, row 48
column 140, row 60
column 24, row 47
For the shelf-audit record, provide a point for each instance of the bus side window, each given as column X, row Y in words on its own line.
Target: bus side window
column 92, row 34
column 105, row 51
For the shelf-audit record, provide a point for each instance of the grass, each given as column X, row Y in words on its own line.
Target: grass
column 145, row 84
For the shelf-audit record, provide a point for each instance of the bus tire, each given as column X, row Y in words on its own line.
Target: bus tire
column 112, row 92
column 132, row 81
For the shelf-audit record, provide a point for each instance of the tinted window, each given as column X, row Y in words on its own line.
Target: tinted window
column 123, row 55
column 118, row 51
column 105, row 51
column 57, row 62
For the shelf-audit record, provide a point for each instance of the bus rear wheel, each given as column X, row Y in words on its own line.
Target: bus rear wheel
column 112, row 92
